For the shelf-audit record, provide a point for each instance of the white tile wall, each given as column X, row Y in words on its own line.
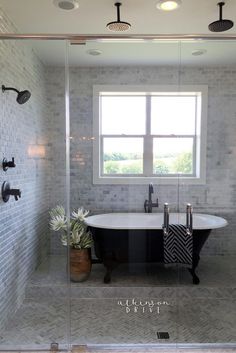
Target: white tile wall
column 218, row 196
column 24, row 239
column 56, row 106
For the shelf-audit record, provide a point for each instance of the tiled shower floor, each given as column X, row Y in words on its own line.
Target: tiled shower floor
column 191, row 314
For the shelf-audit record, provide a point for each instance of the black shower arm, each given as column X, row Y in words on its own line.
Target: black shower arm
column 118, row 11
column 221, row 4
column 9, row 89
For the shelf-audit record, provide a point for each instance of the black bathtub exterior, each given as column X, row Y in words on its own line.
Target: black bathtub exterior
column 115, row 246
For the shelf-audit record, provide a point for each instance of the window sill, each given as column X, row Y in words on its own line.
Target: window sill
column 146, row 180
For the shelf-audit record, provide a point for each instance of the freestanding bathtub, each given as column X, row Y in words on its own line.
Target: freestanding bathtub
column 138, row 237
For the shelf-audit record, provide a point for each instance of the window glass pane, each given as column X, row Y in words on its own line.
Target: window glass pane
column 173, row 155
column 173, row 115
column 123, row 155
column 123, row 115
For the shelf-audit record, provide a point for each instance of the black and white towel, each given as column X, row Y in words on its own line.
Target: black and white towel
column 178, row 245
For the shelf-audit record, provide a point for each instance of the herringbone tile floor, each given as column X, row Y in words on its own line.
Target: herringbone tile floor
column 159, row 300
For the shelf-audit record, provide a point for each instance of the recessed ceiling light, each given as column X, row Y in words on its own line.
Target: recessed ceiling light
column 66, row 4
column 94, row 52
column 168, row 5
column 199, row 52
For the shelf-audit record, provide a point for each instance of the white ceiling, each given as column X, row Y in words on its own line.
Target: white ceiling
column 193, row 17
column 41, row 16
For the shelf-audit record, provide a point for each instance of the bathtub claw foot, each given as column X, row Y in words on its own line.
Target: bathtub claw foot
column 107, row 278
column 196, row 279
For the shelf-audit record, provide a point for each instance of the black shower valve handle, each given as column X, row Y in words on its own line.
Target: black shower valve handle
column 8, row 164
column 13, row 161
column 16, row 193
column 11, row 164
column 7, row 192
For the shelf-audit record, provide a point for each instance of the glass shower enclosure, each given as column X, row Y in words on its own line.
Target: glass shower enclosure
column 152, row 128
column 34, row 285
column 138, row 135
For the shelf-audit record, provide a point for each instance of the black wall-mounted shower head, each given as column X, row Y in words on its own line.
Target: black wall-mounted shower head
column 220, row 25
column 22, row 96
column 118, row 25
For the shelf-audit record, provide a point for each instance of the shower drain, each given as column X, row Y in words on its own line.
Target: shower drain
column 163, row 335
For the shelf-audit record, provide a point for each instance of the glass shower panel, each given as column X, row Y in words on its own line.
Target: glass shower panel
column 34, row 310
column 120, row 157
column 207, row 310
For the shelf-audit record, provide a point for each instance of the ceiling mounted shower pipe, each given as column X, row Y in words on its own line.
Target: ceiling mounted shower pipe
column 22, row 96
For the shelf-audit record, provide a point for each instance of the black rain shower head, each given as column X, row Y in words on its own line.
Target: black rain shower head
column 118, row 26
column 22, row 96
column 220, row 25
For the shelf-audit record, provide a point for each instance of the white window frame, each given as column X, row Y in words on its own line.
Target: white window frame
column 201, row 92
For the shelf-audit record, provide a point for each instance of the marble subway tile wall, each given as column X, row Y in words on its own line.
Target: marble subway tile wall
column 216, row 197
column 56, row 106
column 24, row 238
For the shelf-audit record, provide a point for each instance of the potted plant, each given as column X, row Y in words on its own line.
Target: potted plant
column 80, row 240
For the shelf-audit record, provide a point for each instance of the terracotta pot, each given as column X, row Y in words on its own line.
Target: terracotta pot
column 80, row 264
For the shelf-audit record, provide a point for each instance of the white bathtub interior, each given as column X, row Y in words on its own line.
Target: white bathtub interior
column 152, row 221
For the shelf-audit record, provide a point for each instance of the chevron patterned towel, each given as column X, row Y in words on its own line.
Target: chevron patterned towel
column 178, row 245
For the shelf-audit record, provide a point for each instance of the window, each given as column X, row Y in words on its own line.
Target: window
column 149, row 134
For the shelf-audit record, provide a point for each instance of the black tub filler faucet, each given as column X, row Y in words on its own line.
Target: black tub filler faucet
column 148, row 204
column 7, row 192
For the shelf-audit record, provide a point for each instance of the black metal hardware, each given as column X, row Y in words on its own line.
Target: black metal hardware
column 8, row 164
column 163, row 335
column 22, row 96
column 54, row 347
column 148, row 204
column 7, row 192
column 221, row 25
column 118, row 25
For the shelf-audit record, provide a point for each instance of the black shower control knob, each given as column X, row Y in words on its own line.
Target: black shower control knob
column 16, row 193
column 11, row 164
column 7, row 192
column 8, row 164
